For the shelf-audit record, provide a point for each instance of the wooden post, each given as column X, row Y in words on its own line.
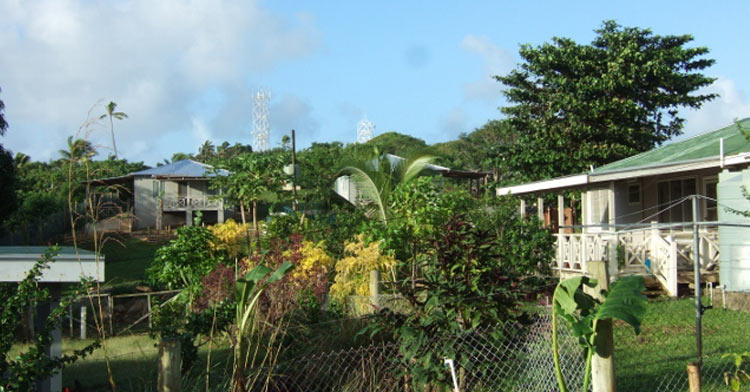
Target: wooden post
column 170, row 358
column 375, row 288
column 83, row 321
column 603, row 364
column 522, row 208
column 694, row 377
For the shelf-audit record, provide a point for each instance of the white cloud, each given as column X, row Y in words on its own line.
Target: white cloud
column 731, row 104
column 153, row 58
column 495, row 61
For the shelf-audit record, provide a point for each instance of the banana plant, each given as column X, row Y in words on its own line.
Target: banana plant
column 248, row 290
column 624, row 301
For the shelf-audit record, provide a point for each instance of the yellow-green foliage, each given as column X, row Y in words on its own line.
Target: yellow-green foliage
column 228, row 236
column 313, row 261
column 353, row 271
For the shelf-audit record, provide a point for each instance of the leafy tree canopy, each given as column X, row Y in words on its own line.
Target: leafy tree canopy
column 579, row 105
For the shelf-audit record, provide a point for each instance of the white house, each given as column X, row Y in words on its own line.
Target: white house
column 637, row 204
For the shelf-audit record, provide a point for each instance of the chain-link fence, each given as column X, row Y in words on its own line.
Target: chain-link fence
column 519, row 361
column 654, row 360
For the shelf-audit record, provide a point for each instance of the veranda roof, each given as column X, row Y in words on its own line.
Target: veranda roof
column 698, row 152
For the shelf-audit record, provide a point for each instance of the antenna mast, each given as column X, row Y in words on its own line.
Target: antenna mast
column 261, row 125
column 365, row 129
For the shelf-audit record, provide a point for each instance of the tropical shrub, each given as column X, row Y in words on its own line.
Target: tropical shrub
column 466, row 280
column 185, row 260
column 353, row 271
column 228, row 237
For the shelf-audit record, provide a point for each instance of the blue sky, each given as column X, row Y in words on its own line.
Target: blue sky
column 185, row 71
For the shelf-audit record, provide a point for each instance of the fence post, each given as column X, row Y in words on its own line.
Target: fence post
column 170, row 358
column 111, row 307
column 603, row 364
column 375, row 288
column 694, row 377
column 83, row 321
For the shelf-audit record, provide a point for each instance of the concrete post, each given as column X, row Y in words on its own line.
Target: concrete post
column 522, row 208
column 54, row 383
column 540, row 210
column 83, row 321
column 170, row 358
column 375, row 288
column 603, row 364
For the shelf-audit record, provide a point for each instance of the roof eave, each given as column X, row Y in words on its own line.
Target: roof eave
column 545, row 185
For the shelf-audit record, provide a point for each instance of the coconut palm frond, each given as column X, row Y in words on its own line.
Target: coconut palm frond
column 414, row 166
column 370, row 186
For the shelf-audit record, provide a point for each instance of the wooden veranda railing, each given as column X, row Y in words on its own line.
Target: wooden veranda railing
column 647, row 251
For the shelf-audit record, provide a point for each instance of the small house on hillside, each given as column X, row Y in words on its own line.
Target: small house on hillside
column 347, row 189
column 636, row 206
column 170, row 195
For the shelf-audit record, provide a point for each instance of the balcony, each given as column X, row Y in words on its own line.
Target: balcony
column 193, row 203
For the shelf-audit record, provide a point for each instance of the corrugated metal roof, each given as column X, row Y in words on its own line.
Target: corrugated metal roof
column 695, row 148
column 184, row 168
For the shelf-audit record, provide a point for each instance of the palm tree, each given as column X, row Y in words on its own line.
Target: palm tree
column 377, row 178
column 112, row 114
column 79, row 150
column 20, row 160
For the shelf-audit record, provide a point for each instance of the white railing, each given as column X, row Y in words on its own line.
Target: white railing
column 645, row 251
column 183, row 203
column 575, row 250
column 663, row 260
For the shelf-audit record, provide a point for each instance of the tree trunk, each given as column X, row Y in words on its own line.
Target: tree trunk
column 242, row 212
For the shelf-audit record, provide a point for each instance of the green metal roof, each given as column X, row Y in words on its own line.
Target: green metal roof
column 695, row 148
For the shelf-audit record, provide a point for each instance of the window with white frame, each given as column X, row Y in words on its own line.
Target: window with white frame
column 671, row 199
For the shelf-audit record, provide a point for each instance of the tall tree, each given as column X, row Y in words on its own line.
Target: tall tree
column 79, row 150
column 112, row 114
column 7, row 174
column 251, row 176
column 579, row 105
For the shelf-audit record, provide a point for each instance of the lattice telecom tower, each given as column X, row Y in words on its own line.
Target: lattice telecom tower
column 261, row 125
column 365, row 129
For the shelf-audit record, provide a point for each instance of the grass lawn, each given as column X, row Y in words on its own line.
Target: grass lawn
column 127, row 259
column 667, row 344
column 133, row 360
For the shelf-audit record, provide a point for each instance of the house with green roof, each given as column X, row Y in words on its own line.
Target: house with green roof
column 637, row 204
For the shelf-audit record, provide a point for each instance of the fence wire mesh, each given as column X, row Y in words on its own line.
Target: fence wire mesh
column 654, row 360
column 520, row 361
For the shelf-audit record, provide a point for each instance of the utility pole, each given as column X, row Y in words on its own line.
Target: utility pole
column 294, row 172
